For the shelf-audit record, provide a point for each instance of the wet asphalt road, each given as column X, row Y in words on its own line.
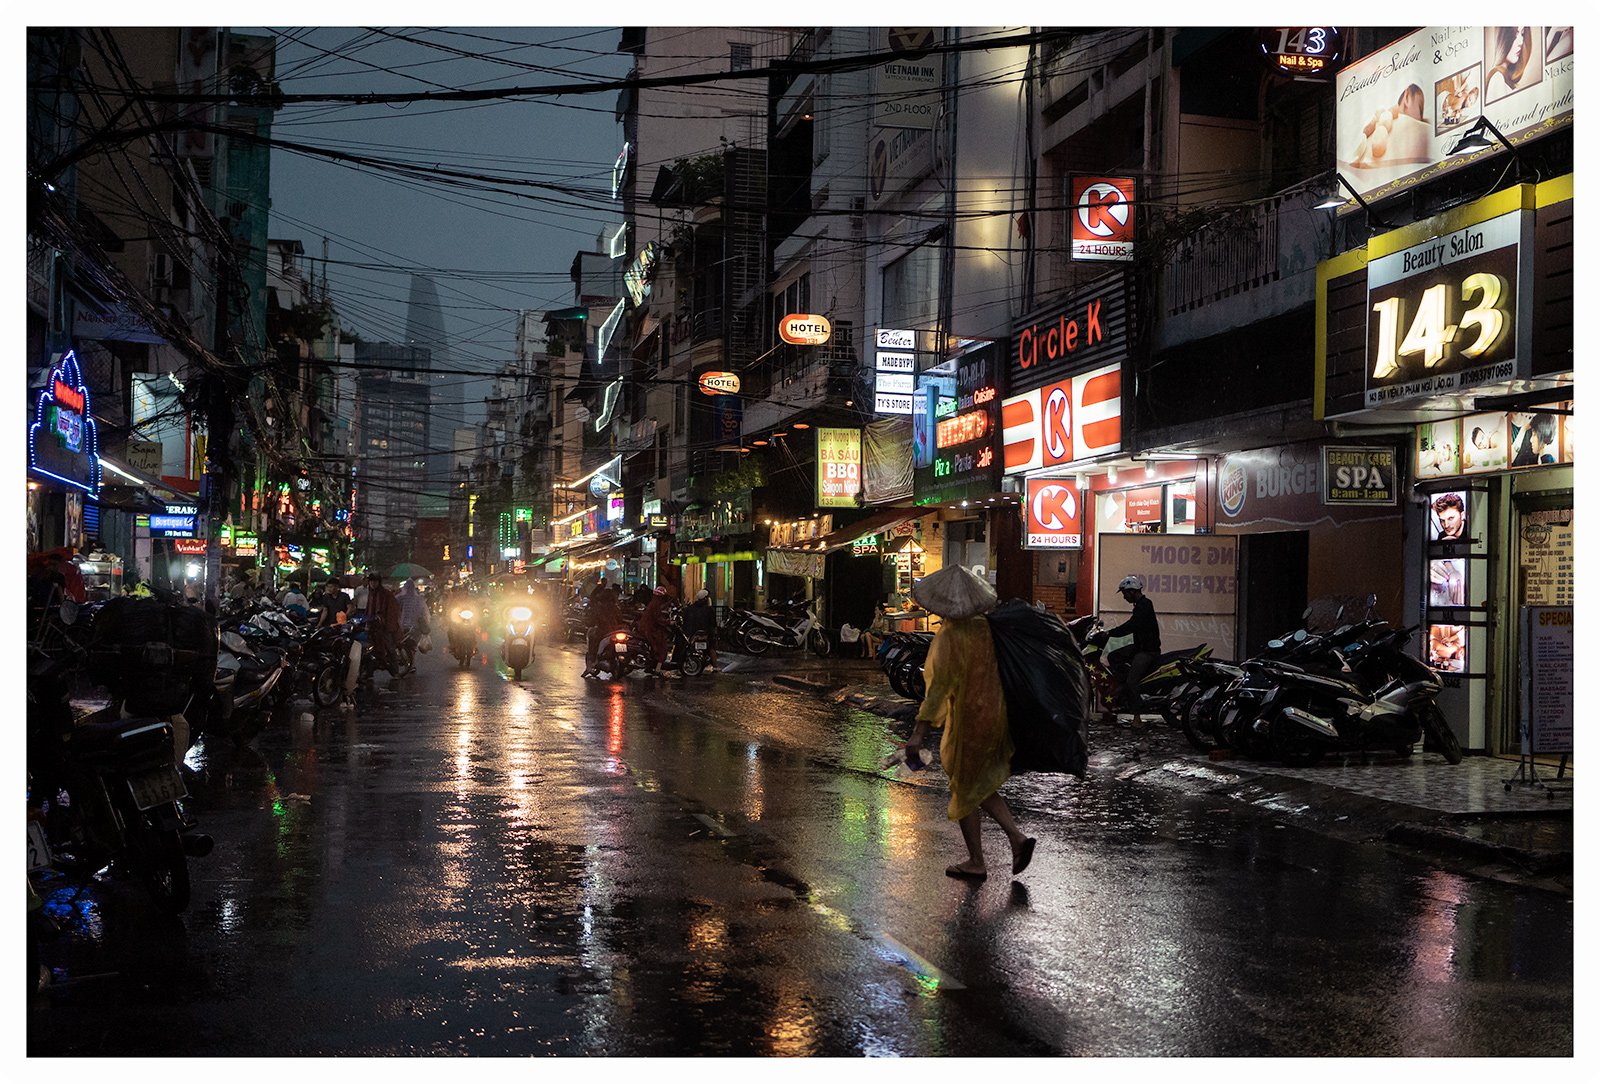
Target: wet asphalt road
column 461, row 864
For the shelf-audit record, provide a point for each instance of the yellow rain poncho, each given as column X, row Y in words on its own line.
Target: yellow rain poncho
column 965, row 699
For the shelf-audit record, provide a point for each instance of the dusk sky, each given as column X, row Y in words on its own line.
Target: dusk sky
column 491, row 253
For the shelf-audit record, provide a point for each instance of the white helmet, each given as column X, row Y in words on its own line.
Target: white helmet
column 1131, row 581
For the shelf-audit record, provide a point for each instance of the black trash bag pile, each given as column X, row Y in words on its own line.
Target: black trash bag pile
column 155, row 655
column 1046, row 689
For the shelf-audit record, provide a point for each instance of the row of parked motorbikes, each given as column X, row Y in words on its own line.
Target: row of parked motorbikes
column 624, row 650
column 105, row 789
column 1349, row 689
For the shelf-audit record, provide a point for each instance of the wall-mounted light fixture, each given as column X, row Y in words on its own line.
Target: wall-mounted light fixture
column 1333, row 200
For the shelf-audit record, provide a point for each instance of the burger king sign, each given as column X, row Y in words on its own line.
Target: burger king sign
column 1231, row 485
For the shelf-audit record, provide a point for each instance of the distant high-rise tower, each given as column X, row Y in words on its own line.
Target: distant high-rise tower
column 425, row 329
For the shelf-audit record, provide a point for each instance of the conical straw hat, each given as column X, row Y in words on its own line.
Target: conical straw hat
column 954, row 591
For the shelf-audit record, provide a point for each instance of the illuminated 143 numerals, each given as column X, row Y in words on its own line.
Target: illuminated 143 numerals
column 1431, row 333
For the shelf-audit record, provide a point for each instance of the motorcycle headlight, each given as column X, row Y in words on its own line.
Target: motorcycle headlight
column 521, row 613
column 465, row 615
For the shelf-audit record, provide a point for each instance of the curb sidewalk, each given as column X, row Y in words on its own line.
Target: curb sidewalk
column 1535, row 842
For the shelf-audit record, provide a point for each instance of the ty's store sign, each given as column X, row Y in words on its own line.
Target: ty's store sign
column 1078, row 418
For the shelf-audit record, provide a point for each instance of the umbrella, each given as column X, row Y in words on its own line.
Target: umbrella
column 408, row 571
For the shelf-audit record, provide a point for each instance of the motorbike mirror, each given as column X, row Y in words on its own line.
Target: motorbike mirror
column 1300, row 636
column 1275, row 644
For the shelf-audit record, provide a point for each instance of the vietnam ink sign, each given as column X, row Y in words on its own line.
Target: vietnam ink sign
column 953, row 422
column 62, row 442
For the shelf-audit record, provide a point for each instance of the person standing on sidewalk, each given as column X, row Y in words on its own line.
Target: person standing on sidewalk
column 965, row 699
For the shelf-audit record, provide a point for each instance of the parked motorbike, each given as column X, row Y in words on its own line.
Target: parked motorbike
column 902, row 656
column 793, row 626
column 516, row 648
column 111, row 789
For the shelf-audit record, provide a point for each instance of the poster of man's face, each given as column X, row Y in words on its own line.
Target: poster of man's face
column 1447, row 517
column 1447, row 582
column 1447, row 648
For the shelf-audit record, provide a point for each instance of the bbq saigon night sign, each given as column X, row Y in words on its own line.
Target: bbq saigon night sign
column 63, row 442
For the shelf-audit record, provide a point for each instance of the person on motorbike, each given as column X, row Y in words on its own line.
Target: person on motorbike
column 1140, row 655
column 700, row 618
column 604, row 619
column 413, row 610
column 295, row 601
column 384, row 610
column 653, row 627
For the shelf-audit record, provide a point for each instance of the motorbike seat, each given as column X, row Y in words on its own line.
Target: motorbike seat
column 1181, row 653
column 120, row 735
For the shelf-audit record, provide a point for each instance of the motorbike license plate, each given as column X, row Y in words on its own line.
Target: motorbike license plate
column 38, row 848
column 155, row 786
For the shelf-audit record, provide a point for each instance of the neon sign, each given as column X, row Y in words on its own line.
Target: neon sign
column 63, row 442
column 972, row 425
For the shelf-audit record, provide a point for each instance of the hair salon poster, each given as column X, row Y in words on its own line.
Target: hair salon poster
column 1401, row 109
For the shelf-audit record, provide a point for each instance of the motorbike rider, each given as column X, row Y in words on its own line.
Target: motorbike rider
column 698, row 618
column 653, row 627
column 413, row 610
column 384, row 609
column 604, row 619
column 1140, row 655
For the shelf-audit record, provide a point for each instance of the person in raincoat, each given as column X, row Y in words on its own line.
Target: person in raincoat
column 965, row 699
column 653, row 627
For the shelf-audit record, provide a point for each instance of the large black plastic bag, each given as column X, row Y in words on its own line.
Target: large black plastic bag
column 1046, row 689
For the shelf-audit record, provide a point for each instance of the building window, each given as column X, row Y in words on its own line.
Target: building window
column 739, row 55
column 911, row 289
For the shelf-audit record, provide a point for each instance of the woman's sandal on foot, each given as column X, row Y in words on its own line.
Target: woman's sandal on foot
column 1024, row 855
column 964, row 874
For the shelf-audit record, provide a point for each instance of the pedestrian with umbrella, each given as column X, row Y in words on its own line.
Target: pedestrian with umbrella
column 966, row 700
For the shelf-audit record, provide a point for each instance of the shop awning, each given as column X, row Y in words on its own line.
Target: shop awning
column 877, row 522
column 138, row 477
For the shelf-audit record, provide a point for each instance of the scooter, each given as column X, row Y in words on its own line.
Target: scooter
column 798, row 628
column 1166, row 680
column 621, row 653
column 112, row 789
column 516, row 650
column 462, row 635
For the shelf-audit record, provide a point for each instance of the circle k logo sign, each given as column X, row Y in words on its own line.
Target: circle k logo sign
column 1103, row 225
column 1053, row 514
column 1103, row 209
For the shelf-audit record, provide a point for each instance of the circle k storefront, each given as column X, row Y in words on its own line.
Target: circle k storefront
column 1458, row 330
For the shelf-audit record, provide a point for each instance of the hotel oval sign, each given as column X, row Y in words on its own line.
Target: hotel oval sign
column 719, row 383
column 804, row 330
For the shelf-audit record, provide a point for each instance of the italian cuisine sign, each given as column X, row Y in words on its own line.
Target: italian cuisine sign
column 1442, row 314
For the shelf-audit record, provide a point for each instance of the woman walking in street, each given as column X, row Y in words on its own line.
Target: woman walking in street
column 965, row 698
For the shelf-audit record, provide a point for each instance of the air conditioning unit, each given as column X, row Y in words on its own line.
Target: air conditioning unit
column 161, row 273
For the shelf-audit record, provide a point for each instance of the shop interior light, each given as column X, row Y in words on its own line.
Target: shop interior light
column 759, row 443
column 802, row 425
column 1149, row 469
column 1111, row 475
